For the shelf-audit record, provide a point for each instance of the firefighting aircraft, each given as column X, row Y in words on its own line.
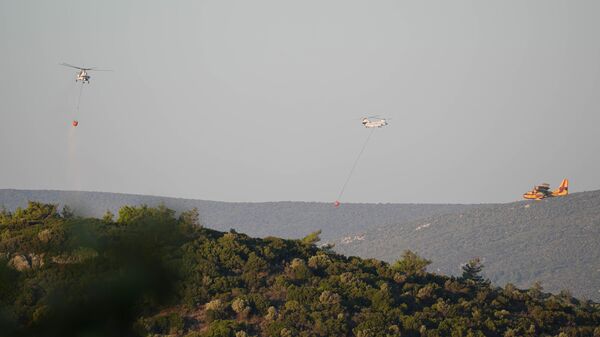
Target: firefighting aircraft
column 374, row 122
column 82, row 75
column 370, row 122
column 543, row 191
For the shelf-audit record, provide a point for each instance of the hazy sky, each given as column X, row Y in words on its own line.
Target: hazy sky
column 260, row 100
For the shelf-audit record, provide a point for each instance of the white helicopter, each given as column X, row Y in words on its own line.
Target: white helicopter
column 374, row 122
column 82, row 75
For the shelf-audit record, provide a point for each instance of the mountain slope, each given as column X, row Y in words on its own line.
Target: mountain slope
column 283, row 219
column 555, row 241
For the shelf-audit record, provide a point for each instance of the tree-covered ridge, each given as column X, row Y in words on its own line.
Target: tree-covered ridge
column 150, row 272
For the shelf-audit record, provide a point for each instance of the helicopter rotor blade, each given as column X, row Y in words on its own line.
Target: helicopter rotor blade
column 72, row 66
column 95, row 69
column 374, row 117
column 380, row 118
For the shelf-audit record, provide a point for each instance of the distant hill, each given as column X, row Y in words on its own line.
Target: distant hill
column 282, row 219
column 555, row 241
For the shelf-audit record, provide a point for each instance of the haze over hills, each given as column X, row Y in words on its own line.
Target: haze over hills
column 282, row 219
column 555, row 241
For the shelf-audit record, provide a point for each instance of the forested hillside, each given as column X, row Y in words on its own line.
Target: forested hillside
column 554, row 241
column 145, row 271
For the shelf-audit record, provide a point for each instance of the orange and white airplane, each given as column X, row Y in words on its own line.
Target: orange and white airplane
column 543, row 191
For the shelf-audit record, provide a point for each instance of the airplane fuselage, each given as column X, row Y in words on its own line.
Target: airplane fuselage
column 543, row 191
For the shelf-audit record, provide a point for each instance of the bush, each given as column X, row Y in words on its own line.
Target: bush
column 241, row 306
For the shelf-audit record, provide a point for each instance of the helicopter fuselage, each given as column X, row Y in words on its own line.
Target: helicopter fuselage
column 377, row 123
column 83, row 77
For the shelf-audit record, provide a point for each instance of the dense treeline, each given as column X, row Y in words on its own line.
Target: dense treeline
column 150, row 272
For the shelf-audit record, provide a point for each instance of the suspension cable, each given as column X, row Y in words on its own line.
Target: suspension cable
column 354, row 165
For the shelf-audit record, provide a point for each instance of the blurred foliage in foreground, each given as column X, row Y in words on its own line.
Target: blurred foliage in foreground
column 150, row 272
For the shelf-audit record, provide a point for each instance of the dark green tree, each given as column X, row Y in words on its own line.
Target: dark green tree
column 108, row 216
column 191, row 218
column 132, row 214
column 411, row 263
column 472, row 272
column 36, row 212
column 5, row 216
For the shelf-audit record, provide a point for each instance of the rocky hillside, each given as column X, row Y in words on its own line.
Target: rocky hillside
column 554, row 241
